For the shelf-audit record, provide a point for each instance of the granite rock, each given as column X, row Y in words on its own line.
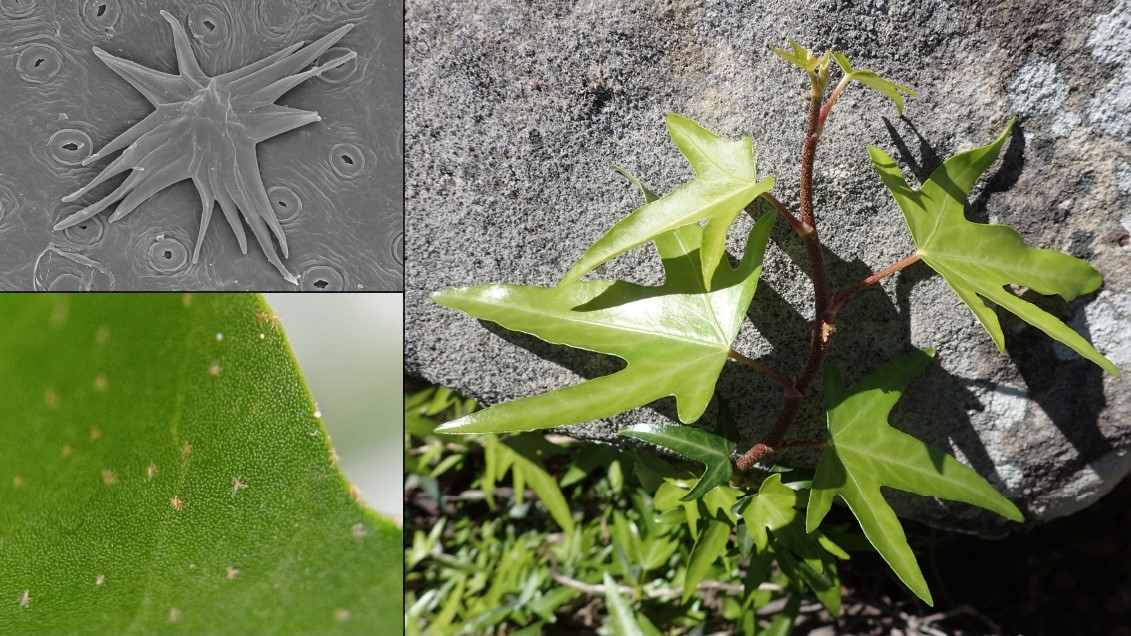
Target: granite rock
column 515, row 111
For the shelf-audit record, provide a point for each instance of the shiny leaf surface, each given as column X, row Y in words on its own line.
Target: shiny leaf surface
column 725, row 182
column 978, row 260
column 675, row 337
column 865, row 453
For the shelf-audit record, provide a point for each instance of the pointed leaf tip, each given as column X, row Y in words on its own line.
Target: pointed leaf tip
column 725, row 183
column 979, row 260
column 675, row 338
column 866, row 453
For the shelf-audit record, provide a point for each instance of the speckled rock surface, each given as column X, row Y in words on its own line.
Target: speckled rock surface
column 516, row 111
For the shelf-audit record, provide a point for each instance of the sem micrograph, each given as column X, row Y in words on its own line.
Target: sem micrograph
column 129, row 127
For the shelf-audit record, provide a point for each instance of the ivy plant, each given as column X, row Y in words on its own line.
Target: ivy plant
column 677, row 337
column 165, row 471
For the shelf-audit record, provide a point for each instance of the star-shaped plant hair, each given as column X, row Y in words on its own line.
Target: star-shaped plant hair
column 205, row 129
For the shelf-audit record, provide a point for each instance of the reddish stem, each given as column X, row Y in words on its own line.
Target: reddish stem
column 871, row 280
column 797, row 225
column 823, row 326
column 782, row 378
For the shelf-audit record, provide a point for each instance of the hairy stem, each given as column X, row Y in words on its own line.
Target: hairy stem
column 823, row 326
column 871, row 280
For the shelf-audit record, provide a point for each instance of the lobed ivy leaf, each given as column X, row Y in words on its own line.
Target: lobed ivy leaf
column 774, row 509
column 977, row 260
column 675, row 337
column 725, row 182
column 865, row 453
column 693, row 443
column 872, row 80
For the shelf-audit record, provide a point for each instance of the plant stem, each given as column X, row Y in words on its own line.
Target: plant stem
column 823, row 326
column 829, row 104
column 798, row 225
column 784, row 379
column 874, row 278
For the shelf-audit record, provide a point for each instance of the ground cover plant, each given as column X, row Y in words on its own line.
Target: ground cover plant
column 167, row 472
column 677, row 337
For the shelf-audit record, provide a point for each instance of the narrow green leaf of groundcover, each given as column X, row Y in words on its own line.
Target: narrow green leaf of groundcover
column 622, row 620
column 708, row 548
column 865, row 453
column 977, row 260
column 782, row 624
column 675, row 338
column 872, row 80
column 164, row 473
column 526, row 471
column 693, row 443
column 725, row 182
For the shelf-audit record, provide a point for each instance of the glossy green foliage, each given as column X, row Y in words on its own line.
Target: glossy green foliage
column 164, row 472
column 713, row 451
column 725, row 182
column 675, row 337
column 865, row 453
column 979, row 260
column 774, row 521
column 872, row 80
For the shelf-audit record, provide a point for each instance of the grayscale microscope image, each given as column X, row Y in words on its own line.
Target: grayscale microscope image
column 221, row 145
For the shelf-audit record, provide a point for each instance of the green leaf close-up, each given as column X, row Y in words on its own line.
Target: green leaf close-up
column 675, row 337
column 872, row 80
column 725, row 183
column 165, row 472
column 978, row 260
column 713, row 451
column 865, row 453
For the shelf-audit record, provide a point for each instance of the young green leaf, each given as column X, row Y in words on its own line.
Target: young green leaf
column 977, row 260
column 693, row 443
column 865, row 453
column 803, row 58
column 872, row 80
column 675, row 337
column 725, row 182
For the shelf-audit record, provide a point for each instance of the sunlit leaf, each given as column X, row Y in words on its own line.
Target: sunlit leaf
column 978, row 260
column 675, row 337
column 725, row 182
column 872, row 80
column 622, row 620
column 865, row 453
column 803, row 58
